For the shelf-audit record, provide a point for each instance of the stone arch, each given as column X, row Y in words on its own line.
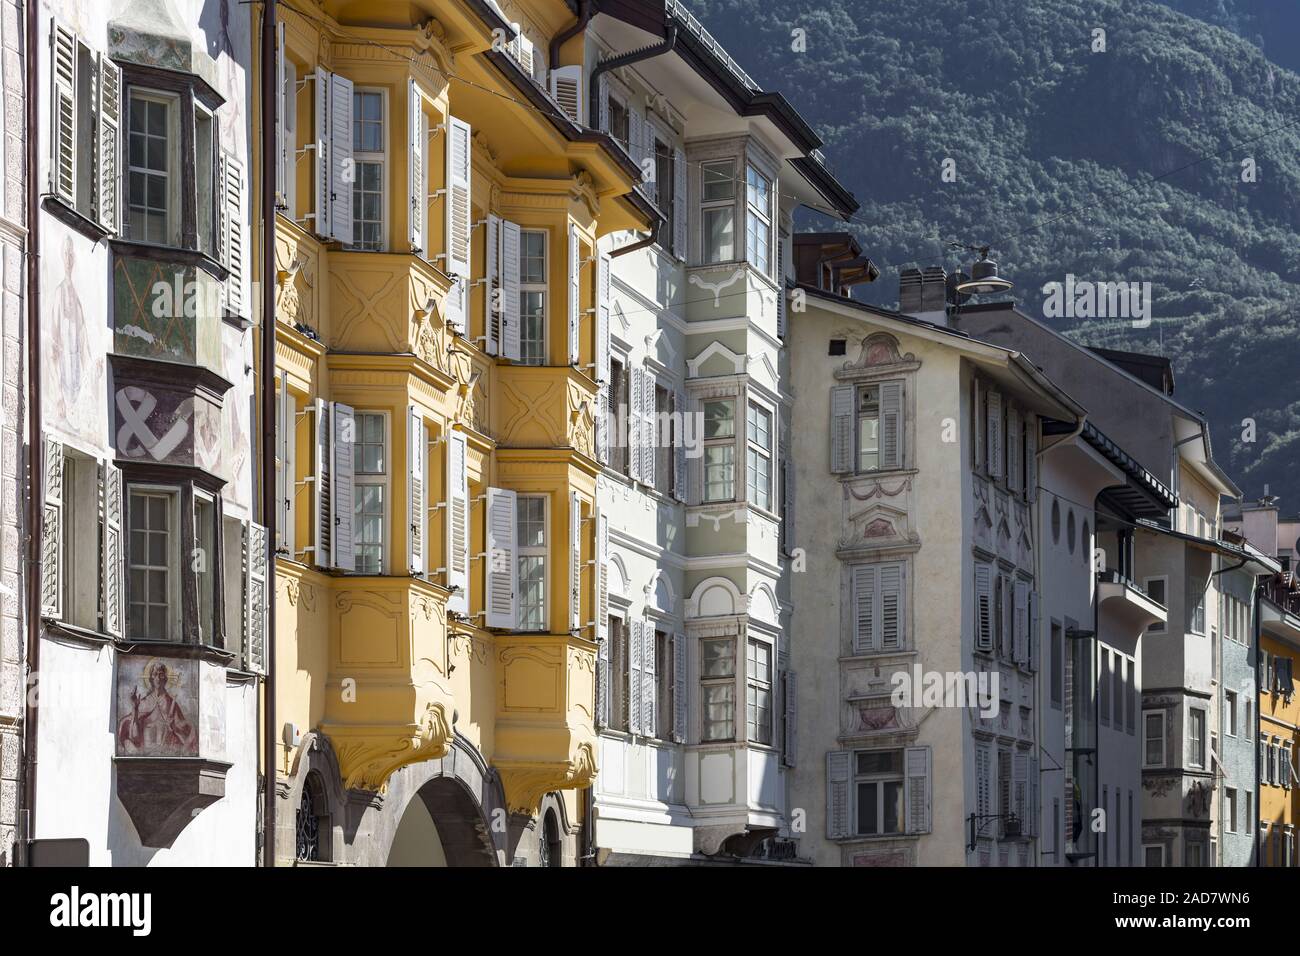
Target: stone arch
column 314, row 761
column 659, row 593
column 618, row 576
column 716, row 597
column 763, row 605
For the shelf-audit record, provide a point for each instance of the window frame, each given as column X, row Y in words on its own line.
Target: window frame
column 710, row 682
column 754, row 409
column 173, row 175
column 366, row 479
column 379, row 157
column 755, row 685
column 175, row 611
column 523, row 551
column 724, row 206
column 1159, row 627
column 763, row 217
column 720, row 441
column 525, row 288
column 620, row 673
column 1197, row 756
column 1163, row 717
column 664, row 680
column 1147, row 848
column 859, row 778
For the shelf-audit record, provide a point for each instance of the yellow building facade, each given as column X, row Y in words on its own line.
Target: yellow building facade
column 438, row 294
column 1279, row 718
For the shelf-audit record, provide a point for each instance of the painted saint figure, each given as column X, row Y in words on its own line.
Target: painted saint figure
column 157, row 725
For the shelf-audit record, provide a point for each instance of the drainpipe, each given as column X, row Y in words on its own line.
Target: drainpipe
column 269, row 504
column 1257, row 797
column 35, row 460
column 623, row 59
column 585, row 13
column 649, row 240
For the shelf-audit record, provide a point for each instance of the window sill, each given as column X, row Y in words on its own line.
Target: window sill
column 169, row 253
column 73, row 218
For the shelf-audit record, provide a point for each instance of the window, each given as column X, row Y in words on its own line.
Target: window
column 1058, row 667
column 531, row 531
column 759, row 692
column 718, row 210
column 663, row 445
column 1119, row 688
column 1130, row 706
column 1103, row 690
column 618, row 121
column 1197, row 622
column 368, row 149
column 1230, row 809
column 1248, row 726
column 719, row 450
column 758, row 220
column 664, row 677
column 1196, row 738
column 312, row 822
column 662, row 189
column 205, row 169
column 1230, row 713
column 878, row 789
column 532, row 297
column 370, row 471
column 153, row 557
column 759, row 457
column 82, row 527
column 1195, row 853
column 618, row 692
column 1153, row 855
column 617, row 416
column 869, row 428
column 718, row 687
column 153, row 169
column 1153, row 723
column 1156, row 588
column 205, row 564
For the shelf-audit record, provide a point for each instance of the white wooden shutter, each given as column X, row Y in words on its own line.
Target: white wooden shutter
column 1013, row 448
column 634, row 466
column 415, row 489
column 602, row 576
column 492, row 285
column 891, row 607
column 342, row 169
column 566, row 90
column 457, row 305
column 602, row 683
column 636, row 139
column 52, row 570
column 839, row 769
column 602, row 84
column 322, row 222
column 575, row 295
column 681, row 711
column 916, row 763
column 108, row 204
column 417, row 187
column 649, row 685
column 679, row 204
column 233, row 253
column 977, row 418
column 502, row 577
column 324, row 516
column 112, row 568
column 865, row 608
column 281, row 126
column 458, row 196
column 510, row 317
column 983, row 607
column 1022, row 622
column 782, row 305
column 575, row 562
column 842, row 429
column 891, row 425
column 679, row 446
column 649, row 434
column 603, row 422
column 283, row 481
column 635, row 702
column 63, row 123
column 995, row 434
column 458, row 523
column 1031, row 456
column 342, row 490
column 790, row 715
column 255, row 617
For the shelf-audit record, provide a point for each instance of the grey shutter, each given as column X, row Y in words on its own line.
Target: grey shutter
column 415, row 489
column 1013, row 448
column 679, row 446
column 341, row 165
column 865, row 608
column 995, row 435
column 281, row 127
column 108, row 205
column 891, row 425
column 681, row 710
column 52, row 569
column 342, row 490
column 1022, row 622
column 502, row 566
column 635, row 703
column 602, row 105
column 977, row 419
column 324, row 517
column 458, row 196
column 510, row 317
column 458, row 523
column 1031, row 456
column 916, row 792
column 256, row 615
column 649, row 685
column 232, row 253
column 983, row 607
column 841, row 429
column 575, row 562
column 679, row 204
column 566, row 90
column 322, row 222
column 636, row 141
column 602, row 577
column 1034, row 813
column 1031, row 651
column 492, row 286
column 782, row 304
column 790, row 714
column 111, row 569
column 1006, row 646
column 1020, row 789
column 602, row 683
column 63, row 122
column 417, row 188
column 891, row 607
column 983, row 781
column 574, row 296
column 839, row 766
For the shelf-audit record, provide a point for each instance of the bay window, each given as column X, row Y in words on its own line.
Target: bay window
column 369, row 147
column 758, row 220
column 758, row 468
column 204, row 563
column 758, row 702
column 718, row 210
column 719, row 450
column 153, row 168
column 531, row 531
column 718, row 688
column 153, row 559
column 370, row 471
column 532, row 296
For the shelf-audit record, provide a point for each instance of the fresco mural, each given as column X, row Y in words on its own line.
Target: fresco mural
column 73, row 350
column 157, row 707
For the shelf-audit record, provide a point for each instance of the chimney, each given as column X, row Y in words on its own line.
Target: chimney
column 923, row 294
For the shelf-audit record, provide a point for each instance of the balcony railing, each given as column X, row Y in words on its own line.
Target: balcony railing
column 1283, row 590
column 674, row 9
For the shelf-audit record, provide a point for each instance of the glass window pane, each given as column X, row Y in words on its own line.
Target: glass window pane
column 718, row 658
column 719, row 237
column 719, row 418
column 868, row 808
column 718, row 182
